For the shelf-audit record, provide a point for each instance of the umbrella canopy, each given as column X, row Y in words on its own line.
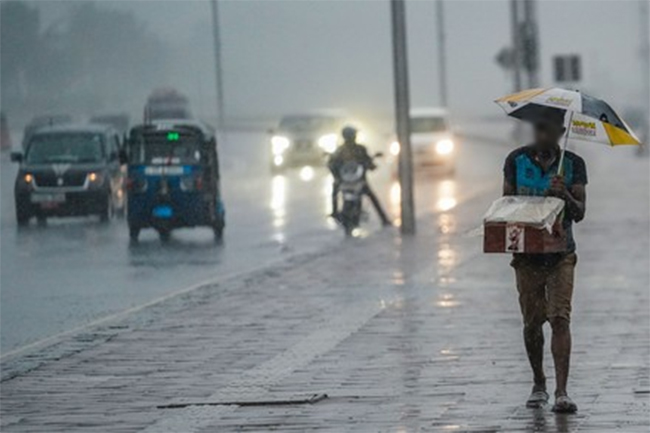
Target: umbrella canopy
column 590, row 119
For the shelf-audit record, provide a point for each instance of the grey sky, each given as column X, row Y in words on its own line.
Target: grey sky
column 286, row 55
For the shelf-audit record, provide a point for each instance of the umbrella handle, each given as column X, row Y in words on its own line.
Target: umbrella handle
column 560, row 166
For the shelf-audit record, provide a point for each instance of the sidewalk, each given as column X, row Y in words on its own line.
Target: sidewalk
column 403, row 335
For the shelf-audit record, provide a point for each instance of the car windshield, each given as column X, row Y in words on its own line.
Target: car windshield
column 428, row 124
column 168, row 148
column 307, row 123
column 66, row 147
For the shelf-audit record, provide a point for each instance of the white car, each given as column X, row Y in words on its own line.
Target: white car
column 432, row 141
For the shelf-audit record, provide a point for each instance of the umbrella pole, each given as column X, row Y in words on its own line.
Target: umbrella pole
column 566, row 140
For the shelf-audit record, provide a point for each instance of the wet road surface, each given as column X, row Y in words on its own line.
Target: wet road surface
column 75, row 271
column 403, row 334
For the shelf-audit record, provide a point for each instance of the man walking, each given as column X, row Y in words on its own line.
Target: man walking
column 545, row 281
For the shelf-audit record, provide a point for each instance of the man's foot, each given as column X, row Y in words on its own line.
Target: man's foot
column 335, row 216
column 563, row 404
column 538, row 397
column 386, row 223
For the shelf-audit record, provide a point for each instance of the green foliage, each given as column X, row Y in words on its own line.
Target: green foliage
column 95, row 59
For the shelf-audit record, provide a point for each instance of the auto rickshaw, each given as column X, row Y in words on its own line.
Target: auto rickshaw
column 173, row 178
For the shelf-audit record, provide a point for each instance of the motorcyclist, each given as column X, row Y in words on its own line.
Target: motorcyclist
column 353, row 151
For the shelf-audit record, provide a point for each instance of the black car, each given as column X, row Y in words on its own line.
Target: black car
column 43, row 121
column 70, row 170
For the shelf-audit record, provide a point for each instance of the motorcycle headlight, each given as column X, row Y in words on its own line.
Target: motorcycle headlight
column 444, row 147
column 279, row 144
column 328, row 142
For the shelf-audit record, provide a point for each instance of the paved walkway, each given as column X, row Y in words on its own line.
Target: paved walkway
column 403, row 335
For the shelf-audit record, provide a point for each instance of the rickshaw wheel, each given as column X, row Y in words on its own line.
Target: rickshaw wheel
column 164, row 235
column 134, row 233
column 218, row 232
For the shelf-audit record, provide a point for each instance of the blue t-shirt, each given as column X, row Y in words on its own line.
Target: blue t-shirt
column 527, row 176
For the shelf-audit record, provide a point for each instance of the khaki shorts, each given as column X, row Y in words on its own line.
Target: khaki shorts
column 545, row 291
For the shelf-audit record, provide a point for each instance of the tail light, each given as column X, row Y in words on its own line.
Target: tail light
column 191, row 183
column 135, row 184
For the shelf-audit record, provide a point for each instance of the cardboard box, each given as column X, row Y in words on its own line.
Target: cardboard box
column 523, row 224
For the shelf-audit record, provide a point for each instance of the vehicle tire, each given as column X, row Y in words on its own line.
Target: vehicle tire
column 217, row 228
column 350, row 215
column 22, row 216
column 164, row 235
column 134, row 233
column 107, row 211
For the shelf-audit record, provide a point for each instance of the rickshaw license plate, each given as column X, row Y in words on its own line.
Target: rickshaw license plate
column 162, row 212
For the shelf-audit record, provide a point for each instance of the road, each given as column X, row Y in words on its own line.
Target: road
column 76, row 271
column 401, row 333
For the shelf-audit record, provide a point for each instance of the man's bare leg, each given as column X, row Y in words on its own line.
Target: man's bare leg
column 534, row 341
column 561, row 349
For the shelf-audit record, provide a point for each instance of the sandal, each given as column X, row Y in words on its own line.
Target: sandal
column 563, row 404
column 537, row 399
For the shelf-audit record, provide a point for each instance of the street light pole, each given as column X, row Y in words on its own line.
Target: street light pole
column 531, row 49
column 516, row 44
column 644, row 14
column 402, row 120
column 217, row 66
column 442, row 53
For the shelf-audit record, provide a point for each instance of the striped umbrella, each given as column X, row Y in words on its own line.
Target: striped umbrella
column 590, row 119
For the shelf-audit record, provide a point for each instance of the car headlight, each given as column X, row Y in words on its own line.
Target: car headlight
column 444, row 147
column 328, row 142
column 94, row 178
column 394, row 148
column 279, row 144
column 26, row 181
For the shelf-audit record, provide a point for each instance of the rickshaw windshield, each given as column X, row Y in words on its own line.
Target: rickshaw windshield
column 159, row 149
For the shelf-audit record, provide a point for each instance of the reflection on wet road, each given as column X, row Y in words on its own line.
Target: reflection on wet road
column 74, row 271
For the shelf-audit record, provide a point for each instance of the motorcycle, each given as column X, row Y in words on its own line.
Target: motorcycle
column 352, row 186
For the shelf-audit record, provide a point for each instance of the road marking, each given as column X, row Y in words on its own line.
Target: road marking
column 255, row 383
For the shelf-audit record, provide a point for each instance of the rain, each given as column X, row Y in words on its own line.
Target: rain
column 192, row 238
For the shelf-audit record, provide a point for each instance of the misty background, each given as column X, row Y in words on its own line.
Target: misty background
column 87, row 57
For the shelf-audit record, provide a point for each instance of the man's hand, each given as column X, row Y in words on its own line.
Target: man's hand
column 558, row 187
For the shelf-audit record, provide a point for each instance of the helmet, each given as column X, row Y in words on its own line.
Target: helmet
column 349, row 133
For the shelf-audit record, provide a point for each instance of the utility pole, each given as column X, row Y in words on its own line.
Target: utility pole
column 217, row 67
column 645, row 64
column 442, row 54
column 516, row 45
column 402, row 119
column 531, row 43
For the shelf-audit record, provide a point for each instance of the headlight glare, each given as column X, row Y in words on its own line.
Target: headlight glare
column 279, row 144
column 394, row 148
column 328, row 142
column 444, row 147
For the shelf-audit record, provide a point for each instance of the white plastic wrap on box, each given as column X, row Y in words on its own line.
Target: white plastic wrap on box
column 535, row 211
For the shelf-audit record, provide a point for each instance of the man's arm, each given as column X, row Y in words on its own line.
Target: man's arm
column 575, row 197
column 508, row 188
column 366, row 158
column 510, row 176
